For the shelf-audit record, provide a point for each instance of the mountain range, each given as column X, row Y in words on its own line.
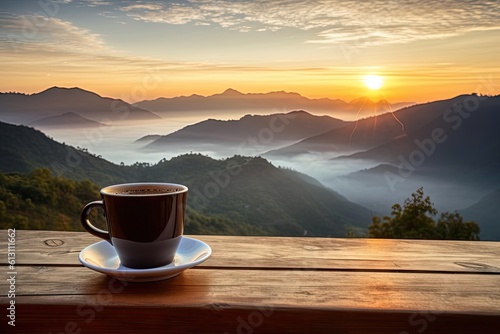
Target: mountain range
column 368, row 133
column 241, row 189
column 257, row 133
column 59, row 106
column 449, row 146
column 272, row 102
column 452, row 147
column 55, row 105
column 443, row 143
column 450, row 140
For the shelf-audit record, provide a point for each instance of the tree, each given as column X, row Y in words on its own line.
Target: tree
column 452, row 227
column 415, row 221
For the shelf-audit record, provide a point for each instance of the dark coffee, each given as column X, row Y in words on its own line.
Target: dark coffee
column 145, row 222
column 140, row 190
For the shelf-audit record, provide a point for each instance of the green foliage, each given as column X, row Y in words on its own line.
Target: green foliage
column 415, row 221
column 42, row 201
column 451, row 226
column 197, row 223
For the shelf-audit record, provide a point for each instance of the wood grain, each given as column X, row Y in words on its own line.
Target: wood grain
column 57, row 318
column 156, row 318
column 218, row 301
column 463, row 293
column 62, row 248
column 263, row 285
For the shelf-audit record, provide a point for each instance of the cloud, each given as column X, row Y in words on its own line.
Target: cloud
column 53, row 45
column 50, row 34
column 95, row 3
column 172, row 13
column 101, row 3
column 337, row 22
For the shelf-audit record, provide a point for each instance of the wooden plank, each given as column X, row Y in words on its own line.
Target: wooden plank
column 61, row 299
column 264, row 285
column 62, row 248
column 58, row 319
column 377, row 291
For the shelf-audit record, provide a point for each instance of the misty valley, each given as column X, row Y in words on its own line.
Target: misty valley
column 268, row 164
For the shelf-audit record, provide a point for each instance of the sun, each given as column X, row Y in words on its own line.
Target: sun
column 373, row 82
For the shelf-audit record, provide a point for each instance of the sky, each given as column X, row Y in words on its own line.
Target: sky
column 135, row 50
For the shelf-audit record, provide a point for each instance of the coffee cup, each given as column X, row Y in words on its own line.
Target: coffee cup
column 145, row 221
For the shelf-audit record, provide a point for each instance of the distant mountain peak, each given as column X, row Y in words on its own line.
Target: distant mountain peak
column 64, row 90
column 56, row 101
column 66, row 119
column 299, row 112
column 234, row 92
column 282, row 92
column 231, row 92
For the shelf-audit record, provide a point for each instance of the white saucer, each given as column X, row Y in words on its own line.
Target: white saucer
column 103, row 258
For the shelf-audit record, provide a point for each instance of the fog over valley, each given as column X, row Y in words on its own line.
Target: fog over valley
column 448, row 147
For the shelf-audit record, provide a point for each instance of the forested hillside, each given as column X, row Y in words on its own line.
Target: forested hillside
column 40, row 201
column 247, row 195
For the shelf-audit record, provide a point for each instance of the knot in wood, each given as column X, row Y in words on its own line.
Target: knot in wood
column 476, row 266
column 218, row 306
column 54, row 242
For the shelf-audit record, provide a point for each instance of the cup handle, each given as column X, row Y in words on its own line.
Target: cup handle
column 87, row 225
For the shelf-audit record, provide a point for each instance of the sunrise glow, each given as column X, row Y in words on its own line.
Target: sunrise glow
column 373, row 82
column 164, row 49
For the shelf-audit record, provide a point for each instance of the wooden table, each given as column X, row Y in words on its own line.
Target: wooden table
column 260, row 285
